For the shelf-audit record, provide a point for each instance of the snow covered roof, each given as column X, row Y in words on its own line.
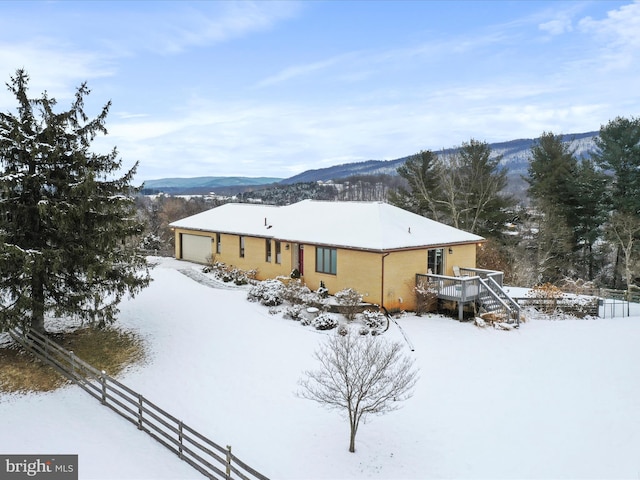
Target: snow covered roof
column 361, row 225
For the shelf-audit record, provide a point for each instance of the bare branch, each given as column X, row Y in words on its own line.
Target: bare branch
column 364, row 375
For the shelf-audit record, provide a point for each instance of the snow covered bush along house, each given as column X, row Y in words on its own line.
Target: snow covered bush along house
column 372, row 247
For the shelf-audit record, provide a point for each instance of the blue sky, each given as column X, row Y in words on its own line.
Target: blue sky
column 275, row 88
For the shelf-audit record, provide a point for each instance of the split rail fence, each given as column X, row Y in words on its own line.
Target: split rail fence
column 210, row 459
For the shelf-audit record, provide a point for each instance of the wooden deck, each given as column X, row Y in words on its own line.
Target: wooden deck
column 468, row 288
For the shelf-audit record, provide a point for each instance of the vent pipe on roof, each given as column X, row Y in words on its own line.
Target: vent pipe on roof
column 409, row 229
column 265, row 221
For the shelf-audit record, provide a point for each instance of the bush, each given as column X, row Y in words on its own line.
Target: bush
column 268, row 293
column 375, row 320
column 229, row 274
column 350, row 300
column 306, row 321
column 426, row 297
column 294, row 291
column 324, row 321
column 343, row 330
column 546, row 296
column 323, row 291
column 294, row 312
column 297, row 293
column 550, row 300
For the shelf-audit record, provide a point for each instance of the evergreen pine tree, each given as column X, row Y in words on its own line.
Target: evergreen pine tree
column 67, row 219
column 552, row 186
column 591, row 214
column 619, row 152
column 483, row 205
column 421, row 172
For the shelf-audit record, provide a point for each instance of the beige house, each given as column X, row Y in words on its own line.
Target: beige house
column 372, row 247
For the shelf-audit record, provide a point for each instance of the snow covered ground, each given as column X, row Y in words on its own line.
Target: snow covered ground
column 555, row 399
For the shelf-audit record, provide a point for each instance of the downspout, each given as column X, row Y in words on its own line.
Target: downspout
column 382, row 282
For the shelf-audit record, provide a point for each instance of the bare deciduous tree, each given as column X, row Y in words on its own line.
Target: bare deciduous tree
column 361, row 375
column 623, row 230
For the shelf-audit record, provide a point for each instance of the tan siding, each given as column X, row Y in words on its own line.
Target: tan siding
column 399, row 278
column 356, row 269
column 462, row 256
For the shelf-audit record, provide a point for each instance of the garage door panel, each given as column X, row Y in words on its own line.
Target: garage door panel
column 196, row 248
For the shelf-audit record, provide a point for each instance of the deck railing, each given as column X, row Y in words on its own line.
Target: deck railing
column 497, row 276
column 474, row 285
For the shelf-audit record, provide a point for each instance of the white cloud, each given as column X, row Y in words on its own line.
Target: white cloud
column 557, row 26
column 56, row 70
column 303, row 70
column 618, row 34
column 209, row 23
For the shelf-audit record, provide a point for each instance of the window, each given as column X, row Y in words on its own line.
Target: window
column 326, row 260
column 218, row 243
column 241, row 247
column 268, row 250
column 278, row 252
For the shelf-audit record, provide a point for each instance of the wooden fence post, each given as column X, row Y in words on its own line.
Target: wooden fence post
column 103, row 381
column 180, row 438
column 228, row 476
column 140, row 399
column 73, row 362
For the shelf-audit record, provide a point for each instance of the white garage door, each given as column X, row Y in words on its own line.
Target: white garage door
column 196, row 248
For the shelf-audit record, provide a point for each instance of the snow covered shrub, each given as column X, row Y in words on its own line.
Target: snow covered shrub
column 545, row 297
column 268, row 293
column 294, row 291
column 243, row 277
column 364, row 330
column 294, row 312
column 306, row 321
column 324, row 321
column 228, row 273
column 151, row 243
column 375, row 320
column 550, row 300
column 323, row 291
column 350, row 301
column 343, row 330
column 426, row 297
column 274, row 310
column 297, row 293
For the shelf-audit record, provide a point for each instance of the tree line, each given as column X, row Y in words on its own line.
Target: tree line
column 585, row 217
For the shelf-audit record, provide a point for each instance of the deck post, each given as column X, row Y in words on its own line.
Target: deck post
column 460, row 310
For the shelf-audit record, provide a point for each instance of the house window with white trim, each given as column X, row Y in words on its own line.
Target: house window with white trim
column 241, row 246
column 218, row 243
column 326, row 260
column 267, row 245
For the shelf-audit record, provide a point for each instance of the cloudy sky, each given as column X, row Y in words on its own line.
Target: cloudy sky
column 214, row 88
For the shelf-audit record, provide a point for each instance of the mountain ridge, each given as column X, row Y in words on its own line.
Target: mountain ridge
column 515, row 158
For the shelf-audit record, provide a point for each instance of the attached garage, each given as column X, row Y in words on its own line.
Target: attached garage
column 195, row 248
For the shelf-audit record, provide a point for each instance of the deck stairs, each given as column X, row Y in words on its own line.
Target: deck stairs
column 493, row 299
